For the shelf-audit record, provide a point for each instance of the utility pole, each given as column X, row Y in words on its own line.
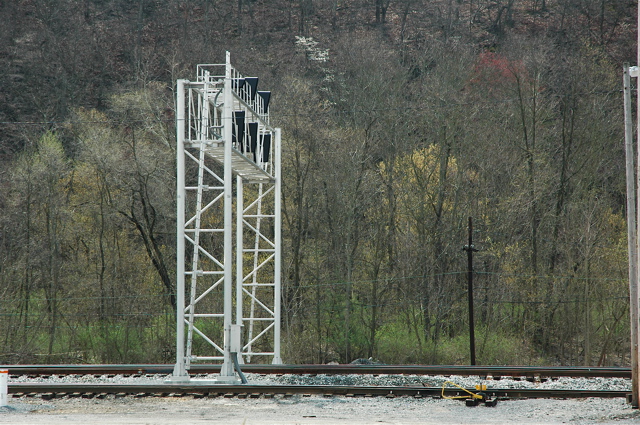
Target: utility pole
column 634, row 298
column 470, row 250
column 632, row 231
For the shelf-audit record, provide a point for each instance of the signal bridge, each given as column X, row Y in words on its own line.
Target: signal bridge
column 228, row 222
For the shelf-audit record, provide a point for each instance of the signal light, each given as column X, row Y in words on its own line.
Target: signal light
column 252, row 82
column 238, row 129
column 266, row 147
column 266, row 96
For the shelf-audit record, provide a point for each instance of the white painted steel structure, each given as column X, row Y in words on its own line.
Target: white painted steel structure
column 228, row 164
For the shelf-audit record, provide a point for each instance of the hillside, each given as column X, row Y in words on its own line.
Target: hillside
column 401, row 119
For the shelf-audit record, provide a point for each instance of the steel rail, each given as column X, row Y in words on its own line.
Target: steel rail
column 88, row 390
column 311, row 369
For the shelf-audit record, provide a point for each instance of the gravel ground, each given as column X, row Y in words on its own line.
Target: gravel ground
column 322, row 410
column 314, row 410
column 620, row 384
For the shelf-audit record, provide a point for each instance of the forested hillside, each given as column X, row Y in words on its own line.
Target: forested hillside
column 400, row 120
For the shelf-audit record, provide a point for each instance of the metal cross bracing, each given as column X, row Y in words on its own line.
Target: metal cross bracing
column 228, row 164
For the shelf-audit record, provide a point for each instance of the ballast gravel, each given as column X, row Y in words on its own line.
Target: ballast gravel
column 303, row 410
column 593, row 384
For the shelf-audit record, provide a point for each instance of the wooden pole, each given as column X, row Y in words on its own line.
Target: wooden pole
column 470, row 250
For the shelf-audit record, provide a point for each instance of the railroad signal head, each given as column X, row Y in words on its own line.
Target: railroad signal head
column 266, row 96
column 252, row 82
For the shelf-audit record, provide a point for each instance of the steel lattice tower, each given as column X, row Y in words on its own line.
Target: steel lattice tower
column 228, row 221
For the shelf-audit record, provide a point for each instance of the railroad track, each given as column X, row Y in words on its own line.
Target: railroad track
column 200, row 388
column 57, row 390
column 526, row 372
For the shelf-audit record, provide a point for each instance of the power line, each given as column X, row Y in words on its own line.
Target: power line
column 310, row 114
column 431, row 276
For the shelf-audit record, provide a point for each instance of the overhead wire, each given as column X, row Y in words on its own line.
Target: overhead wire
column 327, row 111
